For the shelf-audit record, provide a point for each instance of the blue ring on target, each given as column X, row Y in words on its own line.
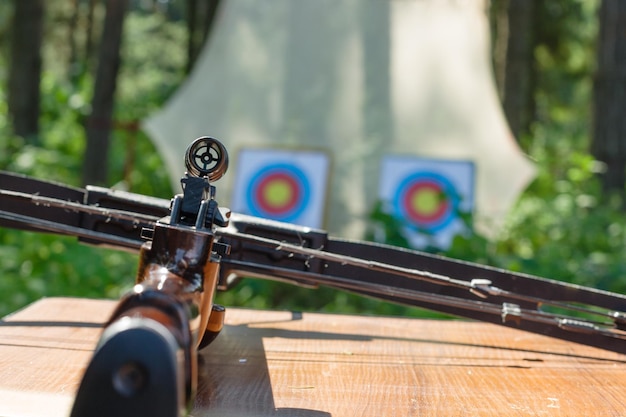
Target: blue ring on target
column 439, row 217
column 288, row 176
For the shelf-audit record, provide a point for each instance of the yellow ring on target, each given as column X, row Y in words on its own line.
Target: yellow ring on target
column 426, row 201
column 277, row 193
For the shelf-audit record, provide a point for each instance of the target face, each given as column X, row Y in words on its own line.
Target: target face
column 427, row 200
column 288, row 186
column 279, row 192
column 427, row 196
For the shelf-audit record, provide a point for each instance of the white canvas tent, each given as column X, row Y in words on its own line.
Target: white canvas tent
column 359, row 79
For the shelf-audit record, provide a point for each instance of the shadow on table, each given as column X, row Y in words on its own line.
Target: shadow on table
column 234, row 378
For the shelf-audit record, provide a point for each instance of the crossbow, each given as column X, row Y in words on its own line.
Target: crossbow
column 146, row 360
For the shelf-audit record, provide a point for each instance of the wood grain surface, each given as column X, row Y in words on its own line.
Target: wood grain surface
column 268, row 363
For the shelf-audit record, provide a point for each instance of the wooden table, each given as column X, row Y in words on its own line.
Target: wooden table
column 268, row 363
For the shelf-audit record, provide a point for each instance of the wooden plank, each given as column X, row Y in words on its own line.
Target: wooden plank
column 44, row 350
column 268, row 363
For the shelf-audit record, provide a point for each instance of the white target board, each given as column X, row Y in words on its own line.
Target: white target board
column 284, row 185
column 431, row 198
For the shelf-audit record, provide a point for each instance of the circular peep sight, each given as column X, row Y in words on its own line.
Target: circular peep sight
column 206, row 157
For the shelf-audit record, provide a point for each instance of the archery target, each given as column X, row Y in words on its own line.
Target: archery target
column 427, row 200
column 428, row 197
column 288, row 186
column 280, row 192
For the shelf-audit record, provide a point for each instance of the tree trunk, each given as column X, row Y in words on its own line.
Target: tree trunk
column 72, row 63
column 25, row 72
column 88, row 57
column 518, row 83
column 192, row 11
column 609, row 127
column 95, row 168
column 200, row 17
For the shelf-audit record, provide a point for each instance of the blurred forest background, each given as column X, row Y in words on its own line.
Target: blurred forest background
column 73, row 88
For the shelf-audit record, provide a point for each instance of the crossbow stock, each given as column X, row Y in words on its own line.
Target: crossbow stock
column 145, row 362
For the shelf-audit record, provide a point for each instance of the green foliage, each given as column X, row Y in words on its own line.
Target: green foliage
column 564, row 53
column 154, row 58
column 36, row 265
column 385, row 228
column 562, row 228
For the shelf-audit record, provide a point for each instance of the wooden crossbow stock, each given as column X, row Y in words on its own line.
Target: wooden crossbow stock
column 146, row 360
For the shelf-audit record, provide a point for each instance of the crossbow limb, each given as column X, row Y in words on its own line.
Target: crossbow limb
column 189, row 246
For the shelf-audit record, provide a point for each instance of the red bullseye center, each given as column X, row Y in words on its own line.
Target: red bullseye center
column 277, row 193
column 425, row 202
